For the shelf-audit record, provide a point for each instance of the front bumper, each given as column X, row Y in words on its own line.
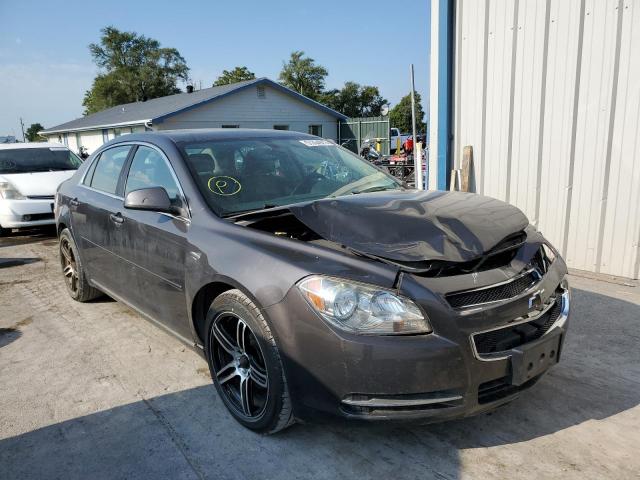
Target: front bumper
column 431, row 377
column 26, row 213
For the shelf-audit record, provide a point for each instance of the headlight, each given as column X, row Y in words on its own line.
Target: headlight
column 9, row 192
column 363, row 309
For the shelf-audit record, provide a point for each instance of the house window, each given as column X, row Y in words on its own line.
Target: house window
column 281, row 127
column 315, row 130
column 230, row 126
column 261, row 92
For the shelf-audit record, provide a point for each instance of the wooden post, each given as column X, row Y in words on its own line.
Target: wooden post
column 467, row 161
column 453, row 180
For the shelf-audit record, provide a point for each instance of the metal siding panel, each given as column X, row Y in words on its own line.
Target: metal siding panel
column 621, row 235
column 526, row 106
column 583, row 150
column 498, row 94
column 592, row 132
column 469, row 111
column 556, row 145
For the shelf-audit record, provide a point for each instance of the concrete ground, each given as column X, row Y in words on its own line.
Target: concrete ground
column 94, row 391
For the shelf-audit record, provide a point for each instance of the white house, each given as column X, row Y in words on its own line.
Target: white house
column 259, row 103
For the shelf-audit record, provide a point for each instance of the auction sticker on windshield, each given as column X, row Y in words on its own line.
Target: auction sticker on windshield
column 317, row 143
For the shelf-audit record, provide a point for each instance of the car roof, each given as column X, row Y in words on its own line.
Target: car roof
column 20, row 146
column 209, row 134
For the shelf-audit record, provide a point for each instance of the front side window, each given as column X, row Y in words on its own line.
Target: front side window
column 247, row 174
column 107, row 171
column 149, row 169
column 26, row 160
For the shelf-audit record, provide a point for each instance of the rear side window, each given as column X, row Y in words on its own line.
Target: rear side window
column 108, row 168
column 149, row 169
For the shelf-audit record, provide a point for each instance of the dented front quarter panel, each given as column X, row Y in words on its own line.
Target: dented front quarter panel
column 265, row 266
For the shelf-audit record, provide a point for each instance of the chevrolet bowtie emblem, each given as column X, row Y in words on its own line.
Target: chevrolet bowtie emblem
column 535, row 301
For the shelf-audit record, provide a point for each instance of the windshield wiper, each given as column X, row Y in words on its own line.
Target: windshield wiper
column 240, row 213
column 377, row 188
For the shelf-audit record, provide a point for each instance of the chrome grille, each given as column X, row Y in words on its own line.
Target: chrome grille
column 510, row 337
column 503, row 291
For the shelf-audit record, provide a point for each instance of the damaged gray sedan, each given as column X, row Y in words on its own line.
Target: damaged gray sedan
column 313, row 282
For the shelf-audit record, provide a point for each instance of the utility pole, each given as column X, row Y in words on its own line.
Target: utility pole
column 24, row 139
column 417, row 153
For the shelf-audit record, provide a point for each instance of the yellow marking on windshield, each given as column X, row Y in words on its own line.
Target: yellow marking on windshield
column 224, row 185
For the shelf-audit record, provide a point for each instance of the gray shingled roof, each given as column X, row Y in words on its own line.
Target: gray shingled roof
column 159, row 108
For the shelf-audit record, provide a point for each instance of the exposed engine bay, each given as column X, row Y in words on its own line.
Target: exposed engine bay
column 436, row 234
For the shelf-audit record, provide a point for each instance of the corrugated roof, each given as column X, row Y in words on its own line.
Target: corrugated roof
column 158, row 109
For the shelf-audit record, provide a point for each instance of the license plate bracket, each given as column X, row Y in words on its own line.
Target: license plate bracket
column 531, row 359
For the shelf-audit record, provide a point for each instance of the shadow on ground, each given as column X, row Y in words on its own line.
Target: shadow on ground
column 9, row 335
column 188, row 434
column 29, row 235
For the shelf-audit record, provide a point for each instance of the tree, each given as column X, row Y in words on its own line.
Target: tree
column 133, row 68
column 238, row 74
column 355, row 100
column 400, row 115
column 303, row 75
column 32, row 133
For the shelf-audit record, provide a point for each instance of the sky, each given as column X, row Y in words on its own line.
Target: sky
column 45, row 65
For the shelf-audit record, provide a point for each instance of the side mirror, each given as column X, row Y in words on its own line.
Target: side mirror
column 155, row 199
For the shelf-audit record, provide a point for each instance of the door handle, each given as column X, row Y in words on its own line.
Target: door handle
column 74, row 202
column 116, row 217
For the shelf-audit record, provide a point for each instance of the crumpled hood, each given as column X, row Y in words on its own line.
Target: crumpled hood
column 413, row 226
column 37, row 183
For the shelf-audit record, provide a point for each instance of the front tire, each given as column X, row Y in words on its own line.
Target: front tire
column 245, row 365
column 73, row 270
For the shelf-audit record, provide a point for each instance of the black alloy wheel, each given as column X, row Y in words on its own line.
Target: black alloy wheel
column 239, row 365
column 245, row 364
column 73, row 270
column 69, row 265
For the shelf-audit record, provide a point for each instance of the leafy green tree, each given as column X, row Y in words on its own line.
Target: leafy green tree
column 355, row 100
column 133, row 68
column 400, row 115
column 303, row 75
column 238, row 74
column 32, row 133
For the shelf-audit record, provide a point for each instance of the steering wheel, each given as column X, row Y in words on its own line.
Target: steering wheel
column 307, row 181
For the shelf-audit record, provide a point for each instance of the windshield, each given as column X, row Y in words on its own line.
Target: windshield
column 27, row 160
column 242, row 175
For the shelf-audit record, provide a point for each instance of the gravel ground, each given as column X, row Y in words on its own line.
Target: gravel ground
column 95, row 391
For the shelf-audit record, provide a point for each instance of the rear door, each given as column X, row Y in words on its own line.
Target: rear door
column 96, row 219
column 155, row 243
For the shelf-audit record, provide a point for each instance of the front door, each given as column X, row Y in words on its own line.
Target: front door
column 155, row 243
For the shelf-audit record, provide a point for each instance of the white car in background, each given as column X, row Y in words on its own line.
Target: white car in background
column 29, row 177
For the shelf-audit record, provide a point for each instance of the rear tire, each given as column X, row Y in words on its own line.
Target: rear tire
column 73, row 270
column 245, row 364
